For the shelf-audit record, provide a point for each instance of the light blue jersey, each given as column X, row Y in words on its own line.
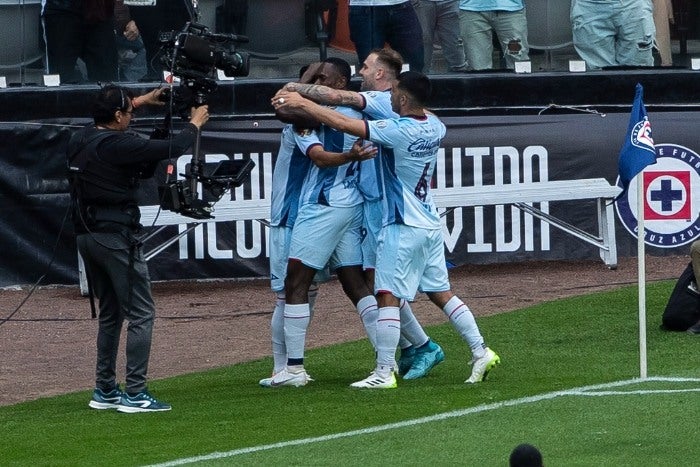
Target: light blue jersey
column 408, row 161
column 377, row 107
column 289, row 174
column 328, row 230
column 291, row 167
column 334, row 186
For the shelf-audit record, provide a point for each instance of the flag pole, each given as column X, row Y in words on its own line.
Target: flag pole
column 641, row 278
column 637, row 152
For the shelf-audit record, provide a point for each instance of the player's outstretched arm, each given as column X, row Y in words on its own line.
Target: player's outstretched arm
column 325, row 115
column 326, row 95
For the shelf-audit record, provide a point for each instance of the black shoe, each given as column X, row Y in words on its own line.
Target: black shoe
column 694, row 329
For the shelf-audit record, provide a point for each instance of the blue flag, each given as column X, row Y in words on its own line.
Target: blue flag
column 638, row 150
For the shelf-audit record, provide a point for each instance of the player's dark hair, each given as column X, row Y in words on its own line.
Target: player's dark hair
column 341, row 66
column 417, row 85
column 302, row 70
column 109, row 99
column 390, row 59
column 525, row 455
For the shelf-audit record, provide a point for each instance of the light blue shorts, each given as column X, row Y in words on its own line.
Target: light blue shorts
column 280, row 239
column 410, row 259
column 371, row 226
column 327, row 235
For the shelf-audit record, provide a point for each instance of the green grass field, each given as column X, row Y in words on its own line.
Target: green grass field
column 567, row 384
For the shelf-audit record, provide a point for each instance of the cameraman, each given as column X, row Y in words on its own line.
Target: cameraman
column 105, row 164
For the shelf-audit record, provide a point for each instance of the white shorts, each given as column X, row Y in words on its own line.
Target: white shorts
column 327, row 235
column 410, row 259
column 371, row 226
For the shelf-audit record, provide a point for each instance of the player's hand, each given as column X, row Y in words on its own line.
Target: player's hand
column 362, row 150
column 287, row 99
column 199, row 115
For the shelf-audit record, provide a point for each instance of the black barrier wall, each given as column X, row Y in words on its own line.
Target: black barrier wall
column 502, row 129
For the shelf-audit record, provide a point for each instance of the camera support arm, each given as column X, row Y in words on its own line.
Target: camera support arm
column 196, row 164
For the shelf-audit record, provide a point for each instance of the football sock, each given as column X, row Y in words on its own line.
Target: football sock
column 463, row 320
column 367, row 309
column 388, row 332
column 410, row 327
column 313, row 295
column 279, row 349
column 296, row 321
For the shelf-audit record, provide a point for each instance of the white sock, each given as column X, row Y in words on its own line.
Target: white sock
column 388, row 332
column 296, row 321
column 279, row 349
column 367, row 309
column 463, row 320
column 410, row 327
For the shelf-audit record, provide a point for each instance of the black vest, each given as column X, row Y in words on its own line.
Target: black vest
column 103, row 194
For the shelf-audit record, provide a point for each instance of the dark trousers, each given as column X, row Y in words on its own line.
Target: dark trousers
column 68, row 38
column 119, row 277
column 397, row 25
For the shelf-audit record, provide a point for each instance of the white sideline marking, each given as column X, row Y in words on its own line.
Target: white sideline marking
column 581, row 391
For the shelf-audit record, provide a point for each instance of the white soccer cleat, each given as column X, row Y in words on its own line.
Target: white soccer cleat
column 482, row 366
column 266, row 382
column 287, row 377
column 377, row 381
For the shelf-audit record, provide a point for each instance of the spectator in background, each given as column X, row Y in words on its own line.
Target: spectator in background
column 441, row 18
column 663, row 18
column 373, row 23
column 154, row 17
column 619, row 33
column 130, row 48
column 80, row 29
column 525, row 455
column 479, row 19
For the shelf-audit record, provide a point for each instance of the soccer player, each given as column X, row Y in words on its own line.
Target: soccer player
column 327, row 229
column 410, row 254
column 419, row 353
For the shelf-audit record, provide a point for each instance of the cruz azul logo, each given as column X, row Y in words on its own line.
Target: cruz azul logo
column 671, row 198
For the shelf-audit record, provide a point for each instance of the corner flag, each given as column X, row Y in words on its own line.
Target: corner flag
column 638, row 150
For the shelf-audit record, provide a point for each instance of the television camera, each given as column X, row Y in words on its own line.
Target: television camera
column 194, row 55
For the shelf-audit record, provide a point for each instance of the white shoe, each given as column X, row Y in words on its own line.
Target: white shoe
column 376, row 381
column 286, row 377
column 266, row 382
column 483, row 365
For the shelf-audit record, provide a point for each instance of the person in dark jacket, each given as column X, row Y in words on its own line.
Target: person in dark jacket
column 105, row 164
column 80, row 29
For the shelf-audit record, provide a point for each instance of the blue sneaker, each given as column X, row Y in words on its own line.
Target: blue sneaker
column 406, row 359
column 105, row 400
column 141, row 402
column 426, row 358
